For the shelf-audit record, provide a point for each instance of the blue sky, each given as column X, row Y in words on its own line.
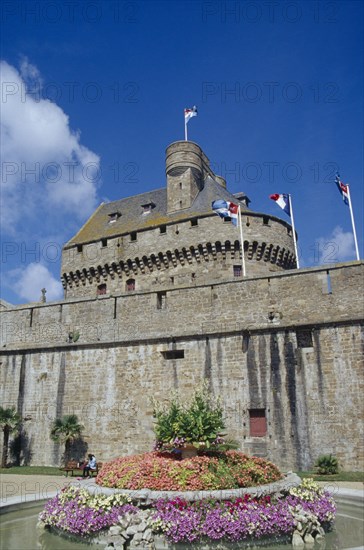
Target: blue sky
column 93, row 92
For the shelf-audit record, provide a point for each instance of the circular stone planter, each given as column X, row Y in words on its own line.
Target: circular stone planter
column 148, row 496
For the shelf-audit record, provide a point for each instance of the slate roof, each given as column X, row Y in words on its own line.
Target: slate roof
column 133, row 219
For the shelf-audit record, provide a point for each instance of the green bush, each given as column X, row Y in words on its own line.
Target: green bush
column 199, row 421
column 327, row 464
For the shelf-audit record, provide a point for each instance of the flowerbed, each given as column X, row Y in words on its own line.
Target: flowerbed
column 78, row 512
column 163, row 472
column 242, row 518
column 75, row 511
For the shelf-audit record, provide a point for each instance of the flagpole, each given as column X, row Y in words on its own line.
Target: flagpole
column 353, row 223
column 185, row 127
column 242, row 241
column 294, row 231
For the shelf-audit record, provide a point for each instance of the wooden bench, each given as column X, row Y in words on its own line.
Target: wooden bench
column 72, row 466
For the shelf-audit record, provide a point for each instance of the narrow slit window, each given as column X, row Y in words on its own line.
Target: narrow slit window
column 79, row 248
column 133, row 236
column 265, row 220
column 103, row 243
column 174, row 354
column 161, row 300
column 194, row 222
column 163, row 229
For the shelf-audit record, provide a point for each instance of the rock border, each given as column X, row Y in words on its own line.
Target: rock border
column 134, row 531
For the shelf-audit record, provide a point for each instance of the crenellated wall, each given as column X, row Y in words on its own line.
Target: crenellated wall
column 104, row 358
column 185, row 254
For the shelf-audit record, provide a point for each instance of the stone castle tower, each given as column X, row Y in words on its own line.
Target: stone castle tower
column 155, row 301
column 171, row 237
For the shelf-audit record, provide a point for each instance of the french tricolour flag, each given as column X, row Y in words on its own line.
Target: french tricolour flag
column 189, row 113
column 226, row 209
column 343, row 189
column 282, row 201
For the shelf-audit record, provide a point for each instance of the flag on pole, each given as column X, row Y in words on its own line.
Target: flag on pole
column 282, row 201
column 189, row 113
column 226, row 209
column 345, row 193
column 343, row 189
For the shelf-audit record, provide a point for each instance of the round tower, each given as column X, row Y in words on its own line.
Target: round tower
column 184, row 155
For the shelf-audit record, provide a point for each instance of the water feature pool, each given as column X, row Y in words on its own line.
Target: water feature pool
column 18, row 532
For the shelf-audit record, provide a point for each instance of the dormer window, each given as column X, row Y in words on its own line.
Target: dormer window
column 114, row 216
column 148, row 207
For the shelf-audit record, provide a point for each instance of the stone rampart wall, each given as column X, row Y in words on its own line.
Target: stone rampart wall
column 298, row 298
column 312, row 397
column 244, row 337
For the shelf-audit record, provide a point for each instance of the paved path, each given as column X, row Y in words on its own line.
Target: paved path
column 16, row 489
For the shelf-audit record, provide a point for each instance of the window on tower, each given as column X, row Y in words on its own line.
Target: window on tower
column 130, row 285
column 101, row 290
column 237, row 270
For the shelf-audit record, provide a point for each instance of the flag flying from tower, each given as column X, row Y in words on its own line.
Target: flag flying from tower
column 282, row 201
column 226, row 209
column 343, row 189
column 189, row 113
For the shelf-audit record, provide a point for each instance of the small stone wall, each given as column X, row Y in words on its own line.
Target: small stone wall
column 145, row 497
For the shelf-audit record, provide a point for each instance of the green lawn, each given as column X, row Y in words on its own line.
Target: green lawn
column 341, row 476
column 32, row 470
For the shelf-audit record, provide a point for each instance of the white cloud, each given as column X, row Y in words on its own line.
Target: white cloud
column 31, row 76
column 48, row 184
column 29, row 282
column 337, row 247
column 44, row 165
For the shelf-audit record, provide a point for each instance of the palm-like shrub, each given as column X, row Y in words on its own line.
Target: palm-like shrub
column 66, row 430
column 9, row 422
column 327, row 464
column 200, row 421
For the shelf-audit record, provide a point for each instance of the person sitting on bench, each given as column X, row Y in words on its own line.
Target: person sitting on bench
column 90, row 465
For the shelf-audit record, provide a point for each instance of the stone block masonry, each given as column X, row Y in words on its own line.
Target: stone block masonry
column 155, row 301
column 288, row 346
